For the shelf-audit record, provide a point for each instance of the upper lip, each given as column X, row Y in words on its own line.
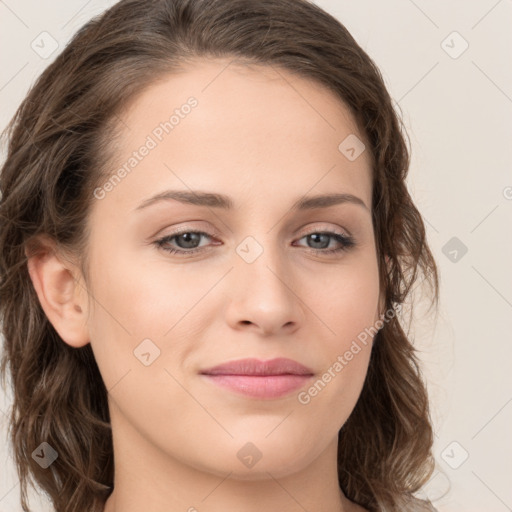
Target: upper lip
column 278, row 366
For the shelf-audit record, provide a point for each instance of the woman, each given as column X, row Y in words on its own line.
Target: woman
column 206, row 238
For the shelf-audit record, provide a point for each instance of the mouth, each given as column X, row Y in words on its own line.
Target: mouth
column 260, row 379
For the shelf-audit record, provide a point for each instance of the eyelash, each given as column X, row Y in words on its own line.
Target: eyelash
column 347, row 242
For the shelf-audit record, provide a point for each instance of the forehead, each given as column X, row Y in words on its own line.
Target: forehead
column 260, row 96
column 251, row 128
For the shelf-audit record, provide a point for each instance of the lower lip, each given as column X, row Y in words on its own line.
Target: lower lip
column 261, row 386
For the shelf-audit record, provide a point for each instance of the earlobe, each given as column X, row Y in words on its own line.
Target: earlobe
column 60, row 296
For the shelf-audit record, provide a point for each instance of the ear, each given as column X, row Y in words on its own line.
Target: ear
column 61, row 295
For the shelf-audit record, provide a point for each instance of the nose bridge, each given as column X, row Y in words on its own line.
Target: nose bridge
column 261, row 260
column 263, row 283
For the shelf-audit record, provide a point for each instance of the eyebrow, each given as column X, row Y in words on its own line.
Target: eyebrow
column 212, row 200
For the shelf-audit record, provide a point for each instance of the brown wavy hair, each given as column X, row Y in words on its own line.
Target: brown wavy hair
column 58, row 152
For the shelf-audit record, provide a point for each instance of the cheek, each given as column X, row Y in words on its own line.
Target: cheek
column 143, row 299
column 134, row 308
column 145, row 306
column 332, row 396
column 348, row 304
column 348, row 309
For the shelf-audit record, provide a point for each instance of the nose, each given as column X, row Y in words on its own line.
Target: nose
column 263, row 294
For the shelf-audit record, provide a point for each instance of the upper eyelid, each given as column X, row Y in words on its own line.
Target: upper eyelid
column 216, row 235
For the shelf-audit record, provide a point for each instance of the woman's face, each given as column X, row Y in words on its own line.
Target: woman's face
column 251, row 284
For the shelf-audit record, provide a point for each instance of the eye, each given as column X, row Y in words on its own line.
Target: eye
column 185, row 240
column 322, row 239
column 188, row 242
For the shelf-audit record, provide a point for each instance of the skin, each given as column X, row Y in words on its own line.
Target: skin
column 265, row 138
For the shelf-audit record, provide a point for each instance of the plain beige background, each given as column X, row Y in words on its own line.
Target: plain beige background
column 447, row 65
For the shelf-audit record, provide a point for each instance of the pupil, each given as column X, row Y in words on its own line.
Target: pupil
column 316, row 238
column 190, row 238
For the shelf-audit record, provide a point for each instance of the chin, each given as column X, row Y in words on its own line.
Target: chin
column 254, row 461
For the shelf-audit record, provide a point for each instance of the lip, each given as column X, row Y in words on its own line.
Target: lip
column 273, row 378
